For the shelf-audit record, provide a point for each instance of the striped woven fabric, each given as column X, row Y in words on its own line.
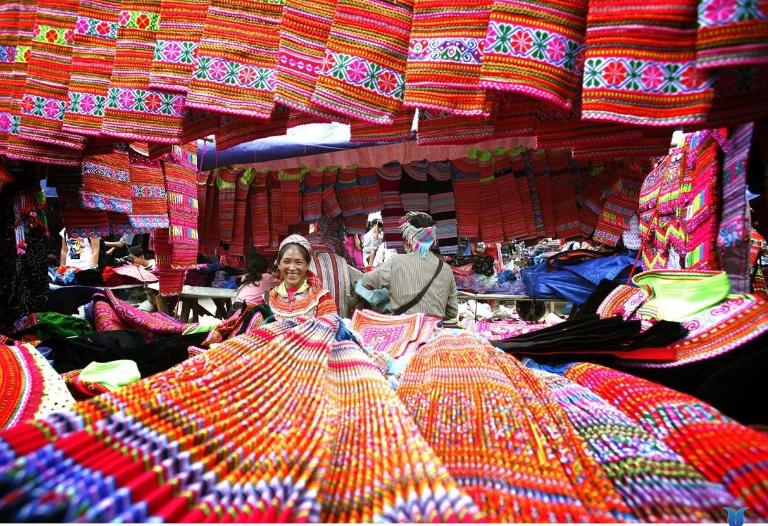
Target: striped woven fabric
column 348, row 192
column 226, row 182
column 290, row 195
column 512, row 214
column 206, row 201
column 171, row 280
column 298, row 118
column 236, row 59
column 148, row 194
column 445, row 56
column 651, row 144
column 133, row 111
column 370, row 191
column 721, row 449
column 465, row 176
column 241, row 223
column 312, row 196
column 515, row 116
column 491, row 228
column 442, row 206
column 620, row 205
column 640, row 65
column 414, row 190
column 563, row 196
column 536, row 49
column 106, row 181
column 569, row 131
column 445, row 128
column 332, row 270
column 304, row 31
column 731, row 34
column 92, row 60
column 235, row 130
column 79, row 221
column 277, row 228
column 181, row 187
column 700, row 204
column 543, row 191
column 16, row 22
column 363, row 72
column 458, row 388
column 399, row 130
column 331, row 206
column 676, row 492
column 356, row 224
column 178, row 35
column 45, row 94
column 392, row 210
column 521, row 167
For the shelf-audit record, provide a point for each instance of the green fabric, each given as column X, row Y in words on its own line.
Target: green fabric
column 112, row 375
column 54, row 324
column 677, row 296
column 205, row 324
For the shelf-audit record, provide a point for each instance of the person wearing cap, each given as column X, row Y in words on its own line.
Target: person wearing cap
column 417, row 281
column 300, row 292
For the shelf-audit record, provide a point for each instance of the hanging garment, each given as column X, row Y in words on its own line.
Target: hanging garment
column 370, row 190
column 445, row 58
column 414, row 190
column 535, row 50
column 436, row 127
column 10, row 49
column 731, row 34
column 651, row 78
column 171, row 279
column 389, row 176
column 563, row 196
column 45, row 94
column 331, row 205
column 348, row 192
column 465, row 177
column 236, row 130
column 491, row 229
column 290, row 195
column 363, row 71
column 180, row 172
column 149, row 208
column 399, row 130
column 515, row 116
column 235, row 69
column 178, row 36
column 335, row 275
column 442, row 206
column 304, row 30
column 240, row 223
column 312, row 196
column 133, row 110
column 93, row 57
column 512, row 215
column 544, row 193
column 258, row 201
column 226, row 183
column 106, row 181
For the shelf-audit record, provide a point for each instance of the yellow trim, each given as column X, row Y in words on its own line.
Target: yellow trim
column 281, row 289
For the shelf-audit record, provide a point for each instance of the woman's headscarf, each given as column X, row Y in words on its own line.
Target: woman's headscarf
column 420, row 239
column 297, row 239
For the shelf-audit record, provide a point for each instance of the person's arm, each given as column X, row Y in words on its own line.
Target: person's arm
column 63, row 254
column 452, row 308
column 95, row 249
column 115, row 244
column 379, row 278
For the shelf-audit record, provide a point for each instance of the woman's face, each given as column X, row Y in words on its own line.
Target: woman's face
column 293, row 267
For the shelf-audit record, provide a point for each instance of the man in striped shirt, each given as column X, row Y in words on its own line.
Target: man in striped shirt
column 407, row 275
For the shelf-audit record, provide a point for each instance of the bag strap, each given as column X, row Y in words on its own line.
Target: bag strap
column 402, row 308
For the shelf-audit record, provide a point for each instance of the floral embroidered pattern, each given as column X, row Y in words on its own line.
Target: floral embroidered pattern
column 53, row 35
column 139, row 190
column 365, row 74
column 105, row 171
column 95, row 201
column 96, row 28
column 7, row 53
column 87, row 104
column 536, row 44
column 23, row 53
column 641, row 75
column 175, row 51
column 43, row 107
column 464, row 50
column 145, row 101
column 9, row 123
column 139, row 20
column 714, row 13
column 232, row 73
column 148, row 222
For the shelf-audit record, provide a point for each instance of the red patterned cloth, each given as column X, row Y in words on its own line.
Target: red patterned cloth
column 180, row 172
column 227, row 186
column 370, row 191
column 348, row 192
column 491, row 228
column 331, row 206
column 106, row 181
column 563, row 196
column 258, row 201
column 512, row 217
column 541, row 179
column 171, row 280
column 312, row 196
column 290, row 194
column 444, row 128
column 520, row 168
column 399, row 130
column 240, row 224
column 732, row 33
column 465, row 175
column 148, row 194
column 235, row 130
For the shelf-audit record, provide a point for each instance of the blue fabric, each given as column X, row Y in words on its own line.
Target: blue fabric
column 575, row 282
column 556, row 368
column 376, row 298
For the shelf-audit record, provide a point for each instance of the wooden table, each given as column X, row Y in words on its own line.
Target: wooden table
column 190, row 297
column 493, row 299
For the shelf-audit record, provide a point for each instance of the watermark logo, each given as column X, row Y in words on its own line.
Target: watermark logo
column 736, row 516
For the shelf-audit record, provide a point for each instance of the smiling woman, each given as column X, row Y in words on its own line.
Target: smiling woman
column 300, row 292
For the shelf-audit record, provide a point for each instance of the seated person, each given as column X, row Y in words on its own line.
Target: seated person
column 417, row 281
column 300, row 292
column 136, row 257
column 257, row 282
column 81, row 253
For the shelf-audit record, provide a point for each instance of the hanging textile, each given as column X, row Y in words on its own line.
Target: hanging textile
column 543, row 191
column 392, row 210
column 535, row 50
column 149, row 205
column 520, row 163
column 171, row 279
column 78, row 221
column 180, row 172
column 240, row 223
column 563, row 196
column 278, row 228
column 731, row 34
column 733, row 238
column 331, row 206
column 442, row 206
column 178, row 35
column 514, row 117
column 619, row 206
column 457, row 389
column 444, row 128
column 106, row 181
column 400, row 129
column 529, row 187
column 512, row 214
column 348, row 192
column 93, row 57
column 290, row 194
column 649, row 78
column 11, row 52
column 236, row 130
column 414, row 191
column 134, row 111
column 45, row 94
column 491, row 228
column 370, row 191
column 312, row 196
column 363, row 72
column 700, row 201
column 226, row 186
column 395, row 335
column 445, row 58
column 258, row 208
column 465, row 177
column 304, row 31
column 237, row 79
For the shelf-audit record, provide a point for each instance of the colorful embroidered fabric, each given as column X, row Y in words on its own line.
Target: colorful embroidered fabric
column 240, row 223
column 521, row 168
column 731, row 34
column 563, row 196
column 541, row 182
column 178, row 35
column 414, row 191
column 133, row 110
column 619, row 206
column 535, row 49
column 290, row 195
column 235, row 130
column 395, row 335
column 106, row 181
column 180, row 174
column 400, row 129
column 503, row 436
column 331, row 206
column 236, row 59
column 304, row 30
column 45, row 95
column 149, row 208
column 465, row 176
column 442, row 206
column 436, row 127
column 227, row 185
column 512, row 215
column 171, row 279
column 719, row 448
column 315, row 301
column 640, row 64
column 92, row 59
column 348, row 192
column 672, row 489
column 444, row 58
column 370, row 191
column 491, row 229
column 149, row 324
column 258, row 201
column 700, row 200
column 80, row 389
column 363, row 71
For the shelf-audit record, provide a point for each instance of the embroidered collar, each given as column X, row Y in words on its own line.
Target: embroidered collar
column 283, row 290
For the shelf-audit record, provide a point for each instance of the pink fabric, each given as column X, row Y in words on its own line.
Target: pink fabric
column 253, row 293
column 353, row 251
